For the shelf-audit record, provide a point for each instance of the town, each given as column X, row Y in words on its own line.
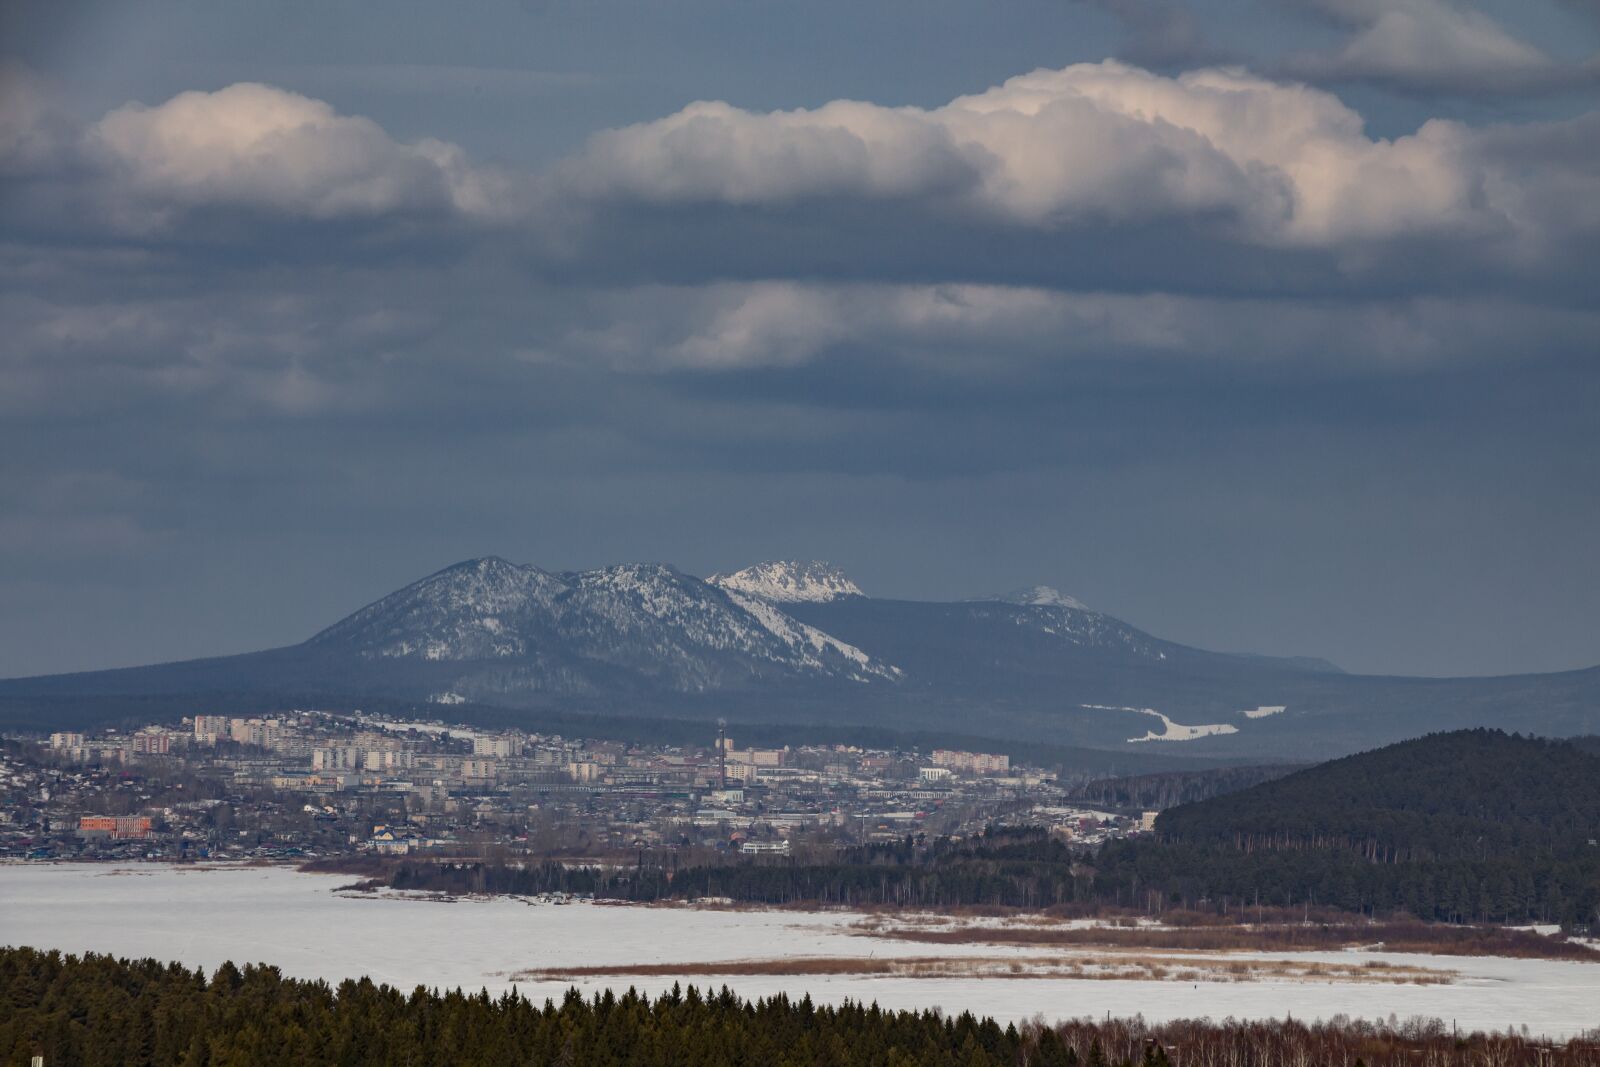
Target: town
column 306, row 785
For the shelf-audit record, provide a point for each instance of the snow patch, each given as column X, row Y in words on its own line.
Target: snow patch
column 789, row 581
column 800, row 636
column 1170, row 731
column 1264, row 710
column 1040, row 596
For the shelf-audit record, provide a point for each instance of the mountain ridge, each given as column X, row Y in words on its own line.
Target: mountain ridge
column 800, row 643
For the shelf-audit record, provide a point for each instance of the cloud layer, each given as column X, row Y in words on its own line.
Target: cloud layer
column 1141, row 324
column 1232, row 154
column 1096, row 212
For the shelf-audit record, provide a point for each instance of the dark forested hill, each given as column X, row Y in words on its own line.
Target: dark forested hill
column 1467, row 794
column 1165, row 789
column 1475, row 824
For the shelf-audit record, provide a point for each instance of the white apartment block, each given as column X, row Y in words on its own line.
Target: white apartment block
column 484, row 769
column 208, row 728
column 337, row 758
column 971, row 762
column 496, row 746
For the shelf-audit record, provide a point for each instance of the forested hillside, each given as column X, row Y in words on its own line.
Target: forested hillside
column 1160, row 790
column 1473, row 825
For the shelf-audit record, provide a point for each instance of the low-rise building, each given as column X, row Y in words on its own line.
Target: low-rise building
column 116, row 827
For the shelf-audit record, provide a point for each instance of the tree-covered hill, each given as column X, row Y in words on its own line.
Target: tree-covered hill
column 1468, row 794
column 1475, row 824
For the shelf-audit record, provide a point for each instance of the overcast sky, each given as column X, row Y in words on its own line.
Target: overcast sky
column 1265, row 325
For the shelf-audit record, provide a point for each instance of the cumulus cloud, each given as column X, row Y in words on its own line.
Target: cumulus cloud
column 1216, row 154
column 1098, row 211
column 247, row 147
column 1434, row 46
column 1271, row 163
column 254, row 145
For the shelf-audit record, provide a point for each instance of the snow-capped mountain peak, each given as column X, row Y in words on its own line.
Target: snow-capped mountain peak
column 1042, row 596
column 787, row 581
column 472, row 610
column 495, row 627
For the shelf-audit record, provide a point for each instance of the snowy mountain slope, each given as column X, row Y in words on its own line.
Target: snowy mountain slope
column 698, row 633
column 479, row 609
column 786, row 581
column 823, row 646
column 800, row 644
column 647, row 623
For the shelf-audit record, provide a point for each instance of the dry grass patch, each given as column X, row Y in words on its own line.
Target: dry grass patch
column 1407, row 937
column 1108, row 968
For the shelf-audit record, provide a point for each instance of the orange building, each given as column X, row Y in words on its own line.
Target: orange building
column 116, row 827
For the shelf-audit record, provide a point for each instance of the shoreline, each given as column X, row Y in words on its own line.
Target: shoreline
column 1100, row 929
column 309, row 929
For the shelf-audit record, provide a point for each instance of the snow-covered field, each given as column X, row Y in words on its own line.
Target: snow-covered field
column 1264, row 710
column 299, row 922
column 1170, row 731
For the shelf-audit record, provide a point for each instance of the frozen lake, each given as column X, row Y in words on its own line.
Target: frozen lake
column 298, row 922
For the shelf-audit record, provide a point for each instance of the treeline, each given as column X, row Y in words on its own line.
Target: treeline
column 1145, row 792
column 1019, row 868
column 97, row 1010
column 1027, row 868
column 1518, row 887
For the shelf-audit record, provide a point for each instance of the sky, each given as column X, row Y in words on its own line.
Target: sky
column 1265, row 325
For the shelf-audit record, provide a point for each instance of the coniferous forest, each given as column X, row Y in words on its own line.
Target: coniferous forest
column 97, row 1011
column 1470, row 826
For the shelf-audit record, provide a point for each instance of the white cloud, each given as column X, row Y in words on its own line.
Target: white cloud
column 1434, row 46
column 256, row 146
column 1230, row 155
column 1274, row 163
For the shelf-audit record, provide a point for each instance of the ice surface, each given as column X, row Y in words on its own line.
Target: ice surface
column 204, row 915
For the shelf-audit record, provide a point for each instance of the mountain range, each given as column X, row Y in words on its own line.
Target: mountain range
column 801, row 644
